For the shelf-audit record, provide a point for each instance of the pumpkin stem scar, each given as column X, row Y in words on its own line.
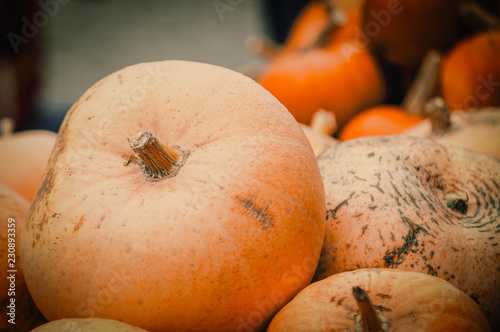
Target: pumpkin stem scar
column 369, row 318
column 157, row 161
column 456, row 203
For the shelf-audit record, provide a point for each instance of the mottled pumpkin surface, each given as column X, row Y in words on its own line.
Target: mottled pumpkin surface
column 413, row 204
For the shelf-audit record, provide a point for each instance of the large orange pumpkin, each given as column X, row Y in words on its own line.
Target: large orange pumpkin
column 18, row 311
column 403, row 31
column 413, row 204
column 24, row 157
column 215, row 224
column 344, row 79
column 380, row 300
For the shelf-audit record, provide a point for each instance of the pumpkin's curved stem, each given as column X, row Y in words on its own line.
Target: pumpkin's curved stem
column 369, row 318
column 439, row 115
column 157, row 161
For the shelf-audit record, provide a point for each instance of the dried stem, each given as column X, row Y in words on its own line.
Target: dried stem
column 369, row 318
column 439, row 115
column 157, row 161
column 425, row 85
column 7, row 126
column 324, row 122
column 337, row 18
column 477, row 17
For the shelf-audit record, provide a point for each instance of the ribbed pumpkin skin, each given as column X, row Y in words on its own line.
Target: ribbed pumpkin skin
column 222, row 245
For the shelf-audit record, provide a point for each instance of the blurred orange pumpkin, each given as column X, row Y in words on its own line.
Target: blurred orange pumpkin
column 378, row 120
column 470, row 73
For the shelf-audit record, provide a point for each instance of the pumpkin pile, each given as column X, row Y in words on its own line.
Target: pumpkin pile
column 182, row 196
column 374, row 65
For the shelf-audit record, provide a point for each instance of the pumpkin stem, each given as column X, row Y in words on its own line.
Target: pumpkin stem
column 425, row 84
column 369, row 318
column 337, row 18
column 7, row 126
column 477, row 17
column 157, row 161
column 324, row 122
column 439, row 115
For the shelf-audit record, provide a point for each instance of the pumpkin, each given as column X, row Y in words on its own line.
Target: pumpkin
column 378, row 120
column 210, row 217
column 344, row 79
column 475, row 130
column 320, row 131
column 24, row 157
column 322, row 23
column 380, row 300
column 395, row 30
column 392, row 119
column 22, row 314
column 470, row 74
column 412, row 204
column 87, row 325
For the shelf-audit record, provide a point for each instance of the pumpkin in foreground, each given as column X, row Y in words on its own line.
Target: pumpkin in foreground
column 87, row 325
column 179, row 196
column 413, row 204
column 18, row 310
column 380, row 300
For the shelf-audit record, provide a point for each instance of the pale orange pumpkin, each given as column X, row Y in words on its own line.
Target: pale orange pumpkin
column 87, row 325
column 24, row 157
column 381, row 300
column 22, row 312
column 473, row 129
column 413, row 204
column 215, row 224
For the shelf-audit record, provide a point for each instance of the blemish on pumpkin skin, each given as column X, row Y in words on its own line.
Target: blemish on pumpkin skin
column 260, row 213
column 79, row 224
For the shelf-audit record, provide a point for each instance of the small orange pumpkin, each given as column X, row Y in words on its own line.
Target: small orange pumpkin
column 215, row 222
column 380, row 300
column 413, row 204
column 24, row 157
column 378, row 120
